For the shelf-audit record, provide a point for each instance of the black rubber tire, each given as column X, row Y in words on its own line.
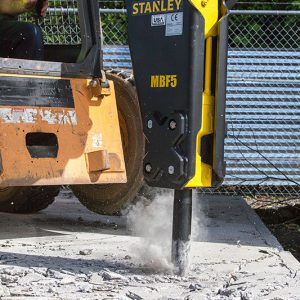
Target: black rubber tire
column 111, row 199
column 27, row 200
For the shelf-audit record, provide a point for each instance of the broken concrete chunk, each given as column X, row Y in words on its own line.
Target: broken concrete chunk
column 84, row 288
column 30, row 278
column 227, row 292
column 109, row 275
column 96, row 279
column 67, row 280
column 51, row 290
column 6, row 279
column 86, row 252
column 196, row 287
column 14, row 271
column 133, row 296
column 55, row 274
column 4, row 291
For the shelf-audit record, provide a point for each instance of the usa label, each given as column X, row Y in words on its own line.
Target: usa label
column 158, row 20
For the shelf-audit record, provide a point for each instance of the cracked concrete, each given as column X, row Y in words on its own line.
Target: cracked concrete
column 67, row 252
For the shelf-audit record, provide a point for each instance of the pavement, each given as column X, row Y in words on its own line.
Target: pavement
column 67, row 252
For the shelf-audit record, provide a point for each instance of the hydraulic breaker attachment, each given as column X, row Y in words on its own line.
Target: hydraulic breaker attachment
column 179, row 56
column 178, row 50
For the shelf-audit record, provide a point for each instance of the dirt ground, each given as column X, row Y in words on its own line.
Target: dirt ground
column 67, row 252
column 282, row 217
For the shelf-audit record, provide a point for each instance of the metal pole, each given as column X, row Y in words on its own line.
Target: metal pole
column 74, row 10
column 266, row 12
column 182, row 223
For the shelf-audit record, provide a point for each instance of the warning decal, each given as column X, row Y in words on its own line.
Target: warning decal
column 31, row 116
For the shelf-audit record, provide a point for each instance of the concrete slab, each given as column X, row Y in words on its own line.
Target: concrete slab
column 67, row 252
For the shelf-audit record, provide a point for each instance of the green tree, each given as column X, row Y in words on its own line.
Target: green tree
column 265, row 31
column 269, row 5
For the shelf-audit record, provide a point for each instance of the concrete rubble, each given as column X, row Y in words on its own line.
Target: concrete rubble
column 52, row 255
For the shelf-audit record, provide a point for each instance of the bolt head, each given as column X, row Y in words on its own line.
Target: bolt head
column 93, row 83
column 148, row 168
column 172, row 125
column 149, row 124
column 171, row 170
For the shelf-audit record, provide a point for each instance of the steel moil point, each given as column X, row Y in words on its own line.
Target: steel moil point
column 182, row 222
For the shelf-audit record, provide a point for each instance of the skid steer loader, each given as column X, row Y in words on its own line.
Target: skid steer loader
column 60, row 124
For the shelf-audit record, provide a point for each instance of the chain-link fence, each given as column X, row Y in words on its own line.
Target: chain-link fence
column 262, row 149
column 61, row 25
column 263, row 104
column 263, row 91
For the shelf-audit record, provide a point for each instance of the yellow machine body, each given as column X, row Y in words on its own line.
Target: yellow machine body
column 88, row 140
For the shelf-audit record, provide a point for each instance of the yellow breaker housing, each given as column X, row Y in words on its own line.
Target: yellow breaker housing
column 212, row 121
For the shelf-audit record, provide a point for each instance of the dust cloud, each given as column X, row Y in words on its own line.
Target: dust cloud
column 152, row 220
